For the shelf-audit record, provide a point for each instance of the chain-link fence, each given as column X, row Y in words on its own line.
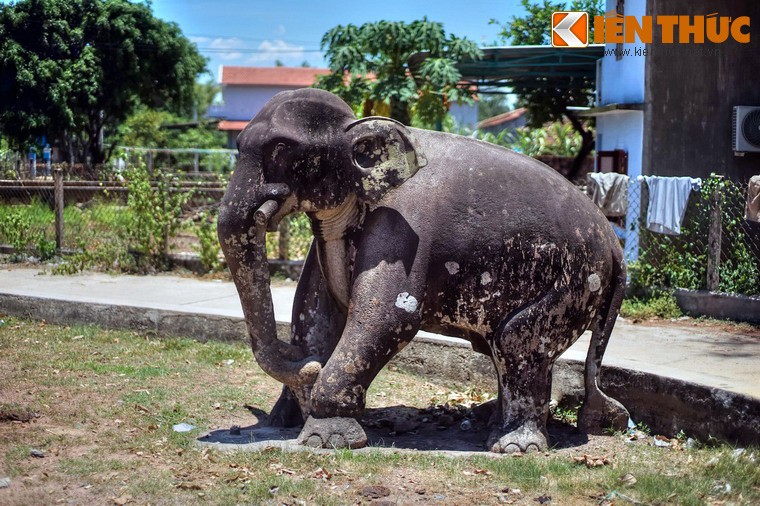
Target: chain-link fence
column 138, row 212
column 134, row 212
column 717, row 248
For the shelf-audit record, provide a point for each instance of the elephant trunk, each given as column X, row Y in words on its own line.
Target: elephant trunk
column 242, row 234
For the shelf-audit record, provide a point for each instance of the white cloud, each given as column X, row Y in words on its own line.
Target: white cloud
column 199, row 40
column 269, row 51
column 231, row 43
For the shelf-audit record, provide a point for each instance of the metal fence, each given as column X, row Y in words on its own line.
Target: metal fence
column 717, row 248
column 45, row 215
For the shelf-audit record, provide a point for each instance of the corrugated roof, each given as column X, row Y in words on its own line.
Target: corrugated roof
column 300, row 77
column 502, row 118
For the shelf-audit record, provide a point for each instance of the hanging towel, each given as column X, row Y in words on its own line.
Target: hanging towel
column 668, row 197
column 609, row 191
column 753, row 199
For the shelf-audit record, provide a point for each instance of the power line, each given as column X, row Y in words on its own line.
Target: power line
column 256, row 51
column 252, row 39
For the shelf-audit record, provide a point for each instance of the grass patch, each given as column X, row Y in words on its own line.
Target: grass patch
column 657, row 306
column 108, row 400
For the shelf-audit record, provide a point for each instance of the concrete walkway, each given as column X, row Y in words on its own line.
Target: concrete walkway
column 700, row 354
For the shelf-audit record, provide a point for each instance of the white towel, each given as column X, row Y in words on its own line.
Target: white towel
column 609, row 191
column 668, row 198
column 753, row 199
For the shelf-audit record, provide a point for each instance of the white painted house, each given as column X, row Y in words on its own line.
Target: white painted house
column 245, row 90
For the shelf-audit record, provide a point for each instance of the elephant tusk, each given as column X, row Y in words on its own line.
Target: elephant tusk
column 265, row 212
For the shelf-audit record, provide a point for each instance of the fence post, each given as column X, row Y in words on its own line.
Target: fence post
column 283, row 245
column 714, row 238
column 59, row 203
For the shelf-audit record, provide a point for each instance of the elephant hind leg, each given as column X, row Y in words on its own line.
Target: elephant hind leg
column 524, row 349
column 600, row 411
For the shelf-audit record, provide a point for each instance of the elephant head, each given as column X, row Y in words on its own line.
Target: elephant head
column 304, row 151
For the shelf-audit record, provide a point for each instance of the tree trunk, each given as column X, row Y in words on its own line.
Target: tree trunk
column 587, row 145
column 400, row 112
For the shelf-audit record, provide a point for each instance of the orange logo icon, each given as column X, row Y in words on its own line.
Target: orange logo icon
column 570, row 29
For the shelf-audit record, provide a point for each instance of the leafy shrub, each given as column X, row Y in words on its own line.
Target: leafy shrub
column 156, row 212
column 15, row 227
column 209, row 248
column 45, row 248
column 659, row 305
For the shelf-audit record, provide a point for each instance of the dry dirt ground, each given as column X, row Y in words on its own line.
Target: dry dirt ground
column 87, row 417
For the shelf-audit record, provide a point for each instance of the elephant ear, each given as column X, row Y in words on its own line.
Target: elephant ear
column 384, row 154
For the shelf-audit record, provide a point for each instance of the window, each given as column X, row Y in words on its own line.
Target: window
column 612, row 161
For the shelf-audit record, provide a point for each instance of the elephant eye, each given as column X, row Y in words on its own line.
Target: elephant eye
column 367, row 153
column 279, row 152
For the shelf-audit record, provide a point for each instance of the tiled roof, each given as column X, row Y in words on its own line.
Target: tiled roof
column 502, row 118
column 226, row 125
column 271, row 76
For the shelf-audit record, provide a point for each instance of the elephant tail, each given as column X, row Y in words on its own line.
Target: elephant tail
column 599, row 411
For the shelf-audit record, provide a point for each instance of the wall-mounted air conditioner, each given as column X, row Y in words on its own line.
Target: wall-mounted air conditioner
column 746, row 129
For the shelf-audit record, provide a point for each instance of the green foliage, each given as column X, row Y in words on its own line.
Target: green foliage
column 666, row 262
column 146, row 128
column 209, row 248
column 156, row 211
column 75, row 68
column 550, row 102
column 534, row 29
column 491, row 105
column 661, row 305
column 107, row 252
column 15, row 227
column 558, row 139
column 409, row 62
column 204, row 95
column 45, row 248
column 24, row 228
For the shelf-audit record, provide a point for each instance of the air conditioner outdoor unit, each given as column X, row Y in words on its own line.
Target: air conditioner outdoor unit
column 746, row 129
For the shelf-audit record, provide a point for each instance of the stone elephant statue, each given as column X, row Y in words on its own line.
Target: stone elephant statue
column 415, row 230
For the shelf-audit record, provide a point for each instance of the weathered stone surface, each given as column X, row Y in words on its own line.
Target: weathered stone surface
column 416, row 230
column 723, row 306
column 334, row 432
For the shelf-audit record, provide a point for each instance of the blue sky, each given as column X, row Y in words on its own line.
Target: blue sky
column 257, row 32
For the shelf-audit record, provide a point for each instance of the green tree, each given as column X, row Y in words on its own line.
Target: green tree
column 204, row 95
column 71, row 69
column 404, row 65
column 551, row 101
column 491, row 105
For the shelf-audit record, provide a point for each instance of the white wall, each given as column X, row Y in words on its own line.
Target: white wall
column 625, row 130
column 622, row 130
column 622, row 81
column 243, row 102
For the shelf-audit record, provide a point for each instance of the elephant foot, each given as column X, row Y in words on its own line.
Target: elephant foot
column 600, row 412
column 524, row 439
column 337, row 432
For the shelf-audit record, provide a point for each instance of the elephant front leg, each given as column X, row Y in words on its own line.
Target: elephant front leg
column 316, row 328
column 374, row 333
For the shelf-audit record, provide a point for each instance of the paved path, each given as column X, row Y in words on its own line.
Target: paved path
column 701, row 354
